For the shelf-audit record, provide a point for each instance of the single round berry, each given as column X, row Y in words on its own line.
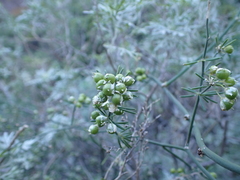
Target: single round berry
column 101, row 120
column 128, row 81
column 230, row 81
column 100, row 84
column 222, row 73
column 82, row 97
column 117, row 99
column 213, row 69
column 139, row 71
column 226, row 104
column 120, row 88
column 109, row 78
column 95, row 114
column 108, row 89
column 231, row 92
column 173, row 170
column 71, row 99
column 97, row 76
column 228, row 49
column 127, row 96
column 119, row 78
column 102, row 97
column 118, row 112
column 93, row 129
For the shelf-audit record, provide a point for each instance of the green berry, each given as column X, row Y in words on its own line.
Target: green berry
column 117, row 99
column 226, row 104
column 87, row 100
column 120, row 88
column 222, row 73
column 139, row 71
column 82, row 97
column 127, row 96
column 78, row 104
column 213, row 69
column 213, row 174
column 101, row 120
column 128, row 81
column 102, row 97
column 93, row 129
column 71, row 99
column 180, row 170
column 109, row 78
column 118, row 112
column 231, row 93
column 111, row 128
column 119, row 78
column 173, row 170
column 108, row 89
column 100, row 84
column 228, row 49
column 95, row 114
column 230, row 81
column 97, row 76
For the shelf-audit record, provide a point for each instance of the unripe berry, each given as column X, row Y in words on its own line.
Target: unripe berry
column 230, row 81
column 95, row 114
column 100, row 120
column 128, row 81
column 228, row 49
column 231, row 92
column 120, row 88
column 119, row 78
column 97, row 76
column 117, row 99
column 222, row 73
column 109, row 78
column 93, row 129
column 213, row 69
column 226, row 104
column 108, row 89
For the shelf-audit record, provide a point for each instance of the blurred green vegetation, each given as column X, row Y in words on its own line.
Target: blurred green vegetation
column 49, row 52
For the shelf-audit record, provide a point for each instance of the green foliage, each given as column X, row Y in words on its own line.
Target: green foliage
column 49, row 53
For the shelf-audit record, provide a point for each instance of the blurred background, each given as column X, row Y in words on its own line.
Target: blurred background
column 49, row 51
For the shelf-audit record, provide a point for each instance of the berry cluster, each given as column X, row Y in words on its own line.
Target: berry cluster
column 140, row 74
column 82, row 99
column 113, row 92
column 221, row 77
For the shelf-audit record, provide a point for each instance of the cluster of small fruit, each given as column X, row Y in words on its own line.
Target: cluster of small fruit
column 82, row 99
column 113, row 91
column 140, row 74
column 221, row 77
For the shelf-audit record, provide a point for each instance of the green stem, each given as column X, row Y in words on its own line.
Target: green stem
column 192, row 121
column 165, row 145
column 176, row 156
column 73, row 113
column 219, row 160
column 209, row 176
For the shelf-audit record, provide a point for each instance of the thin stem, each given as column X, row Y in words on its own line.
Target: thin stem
column 219, row 160
column 192, row 121
column 165, row 145
column 176, row 156
column 209, row 176
column 73, row 113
